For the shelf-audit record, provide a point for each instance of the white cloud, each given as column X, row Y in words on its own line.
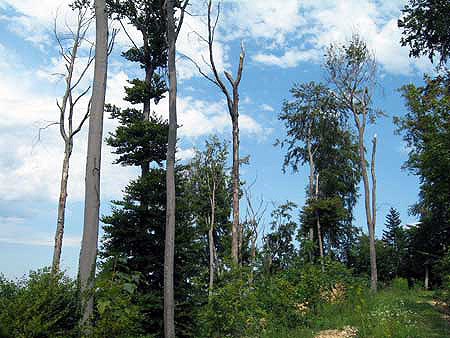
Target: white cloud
column 185, row 154
column 291, row 58
column 266, row 107
column 299, row 30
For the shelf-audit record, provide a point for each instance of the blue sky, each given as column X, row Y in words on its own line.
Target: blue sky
column 284, row 45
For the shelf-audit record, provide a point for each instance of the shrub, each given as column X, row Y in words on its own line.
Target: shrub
column 233, row 310
column 400, row 284
column 40, row 305
column 116, row 315
column 288, row 299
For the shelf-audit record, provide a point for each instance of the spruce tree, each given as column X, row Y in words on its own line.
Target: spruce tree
column 392, row 225
column 394, row 238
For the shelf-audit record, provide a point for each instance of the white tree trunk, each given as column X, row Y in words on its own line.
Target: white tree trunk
column 169, row 247
column 61, row 208
column 88, row 252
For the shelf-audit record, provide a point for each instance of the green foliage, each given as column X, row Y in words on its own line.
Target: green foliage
column 40, row 305
column 443, row 270
column 233, row 309
column 318, row 134
column 309, row 118
column 278, row 249
column 395, row 239
column 134, row 244
column 138, row 141
column 147, row 16
column 426, row 131
column 117, row 314
column 424, row 25
column 141, row 91
column 400, row 284
column 286, row 299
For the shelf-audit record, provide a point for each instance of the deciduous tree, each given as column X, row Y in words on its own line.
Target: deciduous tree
column 172, row 33
column 88, row 253
column 424, row 25
column 351, row 69
column 67, row 106
column 232, row 98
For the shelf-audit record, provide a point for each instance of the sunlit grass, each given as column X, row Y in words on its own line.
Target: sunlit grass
column 388, row 313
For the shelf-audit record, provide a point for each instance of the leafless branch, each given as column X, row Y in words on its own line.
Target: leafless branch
column 128, row 35
column 88, row 110
column 199, row 69
column 180, row 21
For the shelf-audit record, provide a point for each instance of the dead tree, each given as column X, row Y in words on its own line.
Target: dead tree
column 255, row 215
column 233, row 110
column 66, row 109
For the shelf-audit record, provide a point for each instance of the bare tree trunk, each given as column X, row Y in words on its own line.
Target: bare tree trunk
column 427, row 274
column 319, row 232
column 311, row 180
column 373, row 267
column 211, row 241
column 89, row 242
column 233, row 109
column 169, row 247
column 61, row 208
column 145, row 167
column 373, row 262
column 236, row 240
column 68, row 102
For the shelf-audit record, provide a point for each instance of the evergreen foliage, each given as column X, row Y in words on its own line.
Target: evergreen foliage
column 393, row 227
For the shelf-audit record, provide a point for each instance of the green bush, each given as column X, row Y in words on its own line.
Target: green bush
column 40, row 305
column 116, row 315
column 233, row 310
column 285, row 300
column 399, row 283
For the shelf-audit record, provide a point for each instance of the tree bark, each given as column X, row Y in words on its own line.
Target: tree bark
column 89, row 242
column 311, row 179
column 235, row 230
column 427, row 274
column 319, row 232
column 67, row 103
column 61, row 208
column 373, row 267
column 145, row 167
column 233, row 109
column 373, row 262
column 169, row 247
column 211, row 240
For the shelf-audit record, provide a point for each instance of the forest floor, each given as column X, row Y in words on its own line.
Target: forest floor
column 389, row 313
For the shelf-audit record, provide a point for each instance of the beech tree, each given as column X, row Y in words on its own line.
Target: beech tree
column 67, row 107
column 426, row 130
column 211, row 198
column 312, row 114
column 351, row 69
column 88, row 253
column 233, row 110
column 316, row 134
column 173, row 30
column 424, row 25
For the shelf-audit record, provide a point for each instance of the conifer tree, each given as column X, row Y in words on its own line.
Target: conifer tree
column 393, row 222
column 395, row 240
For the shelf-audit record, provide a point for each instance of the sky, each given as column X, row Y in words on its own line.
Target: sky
column 284, row 44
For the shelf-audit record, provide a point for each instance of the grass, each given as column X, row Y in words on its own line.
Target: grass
column 388, row 313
